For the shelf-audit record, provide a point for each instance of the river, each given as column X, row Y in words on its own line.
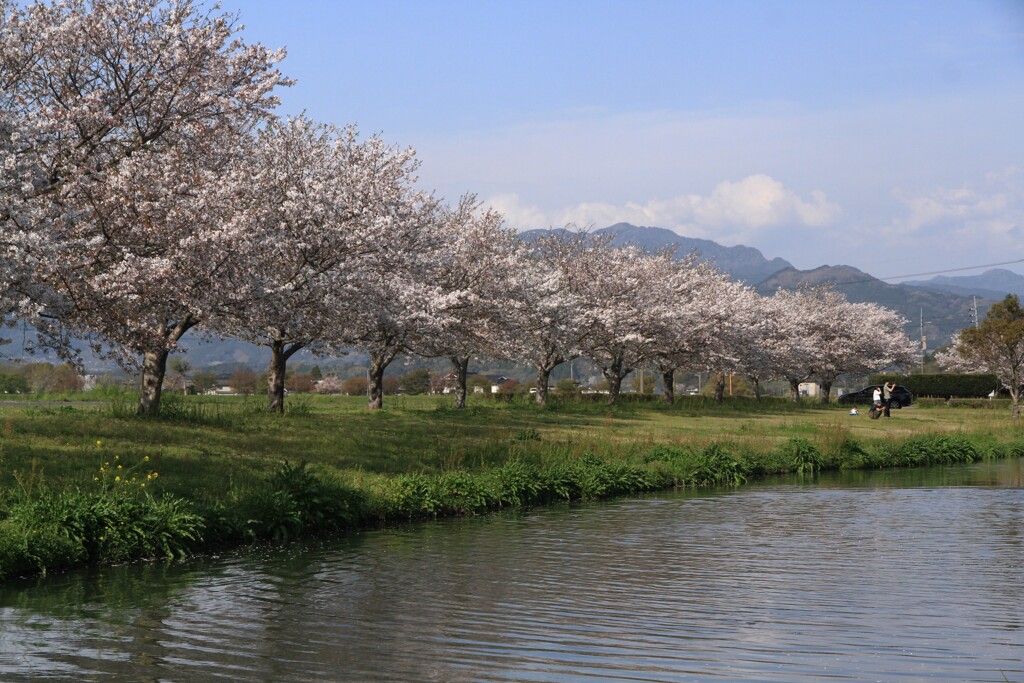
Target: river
column 885, row 576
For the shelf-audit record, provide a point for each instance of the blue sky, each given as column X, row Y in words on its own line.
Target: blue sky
column 884, row 135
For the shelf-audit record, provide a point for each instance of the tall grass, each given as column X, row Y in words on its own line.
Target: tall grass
column 227, row 472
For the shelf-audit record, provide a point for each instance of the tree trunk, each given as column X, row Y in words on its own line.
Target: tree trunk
column 461, row 366
column 543, row 376
column 826, row 391
column 756, row 383
column 154, row 367
column 668, row 391
column 375, row 387
column 1015, row 402
column 615, row 373
column 794, row 389
column 280, row 352
column 720, row 387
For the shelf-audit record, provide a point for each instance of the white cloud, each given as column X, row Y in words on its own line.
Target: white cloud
column 988, row 212
column 516, row 213
column 758, row 201
column 740, row 209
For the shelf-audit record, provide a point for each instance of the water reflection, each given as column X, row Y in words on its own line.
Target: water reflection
column 905, row 575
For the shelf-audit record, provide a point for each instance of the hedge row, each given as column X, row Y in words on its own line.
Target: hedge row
column 944, row 385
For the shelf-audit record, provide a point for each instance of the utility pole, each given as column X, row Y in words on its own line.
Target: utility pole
column 924, row 342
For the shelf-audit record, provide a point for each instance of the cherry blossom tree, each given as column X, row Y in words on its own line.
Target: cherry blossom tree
column 21, row 295
column 870, row 339
column 398, row 296
column 627, row 304
column 804, row 322
column 761, row 338
column 129, row 111
column 700, row 300
column 829, row 336
column 478, row 259
column 543, row 323
column 314, row 206
column 740, row 335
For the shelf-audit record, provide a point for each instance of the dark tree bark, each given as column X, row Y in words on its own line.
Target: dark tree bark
column 544, row 370
column 615, row 372
column 826, row 391
column 379, row 361
column 720, row 387
column 154, row 367
column 668, row 391
column 375, row 389
column 461, row 366
column 756, row 383
column 280, row 352
column 794, row 389
column 543, row 376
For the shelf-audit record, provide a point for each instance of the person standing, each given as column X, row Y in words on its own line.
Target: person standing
column 887, row 390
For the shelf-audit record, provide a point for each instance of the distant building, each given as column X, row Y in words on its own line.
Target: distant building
column 809, row 389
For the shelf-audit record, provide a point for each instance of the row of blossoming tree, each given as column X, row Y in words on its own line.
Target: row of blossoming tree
column 148, row 189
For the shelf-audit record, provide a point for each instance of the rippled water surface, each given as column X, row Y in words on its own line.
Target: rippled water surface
column 896, row 576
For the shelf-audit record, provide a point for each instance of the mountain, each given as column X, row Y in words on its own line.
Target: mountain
column 944, row 308
column 943, row 312
column 992, row 284
column 741, row 263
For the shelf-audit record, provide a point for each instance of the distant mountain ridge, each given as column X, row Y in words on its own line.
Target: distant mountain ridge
column 942, row 313
column 743, row 263
column 944, row 305
column 995, row 283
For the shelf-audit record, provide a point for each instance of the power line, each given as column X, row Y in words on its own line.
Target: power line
column 953, row 270
column 872, row 278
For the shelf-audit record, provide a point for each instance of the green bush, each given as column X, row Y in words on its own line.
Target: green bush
column 516, row 483
column 47, row 531
column 930, row 450
column 712, row 466
column 804, row 457
column 294, row 501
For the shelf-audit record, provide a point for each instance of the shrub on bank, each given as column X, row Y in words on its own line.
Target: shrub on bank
column 120, row 520
column 292, row 502
column 938, row 449
column 47, row 531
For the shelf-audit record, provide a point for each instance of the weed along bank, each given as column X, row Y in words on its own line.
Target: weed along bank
column 91, row 484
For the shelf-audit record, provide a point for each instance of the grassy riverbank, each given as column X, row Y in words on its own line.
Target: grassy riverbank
column 84, row 482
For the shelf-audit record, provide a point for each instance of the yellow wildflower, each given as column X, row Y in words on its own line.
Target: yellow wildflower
column 117, row 478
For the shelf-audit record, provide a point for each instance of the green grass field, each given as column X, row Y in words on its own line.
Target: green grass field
column 207, row 443
column 88, row 482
